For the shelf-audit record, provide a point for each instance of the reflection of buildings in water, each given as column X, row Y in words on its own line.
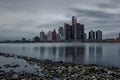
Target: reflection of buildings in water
column 51, row 53
column 75, row 54
column 69, row 54
column 92, row 54
column 41, row 52
column 99, row 51
column 61, row 53
column 80, row 54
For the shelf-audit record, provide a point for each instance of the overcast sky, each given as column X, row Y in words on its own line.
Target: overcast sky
column 26, row 18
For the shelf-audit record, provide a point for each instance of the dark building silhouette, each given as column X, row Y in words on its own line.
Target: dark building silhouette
column 91, row 35
column 61, row 31
column 54, row 34
column 99, row 35
column 68, row 31
column 74, row 26
column 80, row 32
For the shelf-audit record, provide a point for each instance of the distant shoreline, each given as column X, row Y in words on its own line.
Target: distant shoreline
column 59, row 42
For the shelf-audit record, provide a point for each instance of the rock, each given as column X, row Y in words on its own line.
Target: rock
column 23, row 79
column 15, row 76
column 3, row 79
column 109, row 72
column 2, row 73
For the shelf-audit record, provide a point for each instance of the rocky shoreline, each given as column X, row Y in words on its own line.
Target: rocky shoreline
column 59, row 71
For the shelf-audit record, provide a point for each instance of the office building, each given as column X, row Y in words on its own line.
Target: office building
column 68, row 31
column 54, row 35
column 42, row 36
column 80, row 32
column 74, row 25
column 49, row 36
column 119, row 35
column 61, row 33
column 98, row 35
column 91, row 35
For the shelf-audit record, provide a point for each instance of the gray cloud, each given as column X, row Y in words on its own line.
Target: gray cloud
column 26, row 18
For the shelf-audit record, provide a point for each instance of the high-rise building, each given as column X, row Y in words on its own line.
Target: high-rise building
column 99, row 35
column 58, row 37
column 42, row 36
column 74, row 25
column 80, row 32
column 68, row 31
column 119, row 35
column 91, row 35
column 54, row 34
column 49, row 36
column 61, row 33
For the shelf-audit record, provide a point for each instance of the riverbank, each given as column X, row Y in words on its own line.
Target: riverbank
column 58, row 71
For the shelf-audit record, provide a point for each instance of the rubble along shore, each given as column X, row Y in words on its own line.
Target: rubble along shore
column 61, row 71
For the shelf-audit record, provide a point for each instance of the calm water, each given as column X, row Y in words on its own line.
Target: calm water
column 82, row 53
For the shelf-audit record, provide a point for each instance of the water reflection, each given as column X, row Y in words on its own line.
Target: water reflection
column 99, row 52
column 92, row 54
column 66, row 54
column 86, row 53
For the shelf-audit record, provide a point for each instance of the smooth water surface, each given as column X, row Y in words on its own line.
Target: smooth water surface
column 82, row 53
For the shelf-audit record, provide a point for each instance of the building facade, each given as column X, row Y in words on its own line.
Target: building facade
column 98, row 35
column 91, row 35
column 74, row 27
column 61, row 33
column 42, row 36
column 68, row 31
column 80, row 32
column 49, row 36
column 54, row 35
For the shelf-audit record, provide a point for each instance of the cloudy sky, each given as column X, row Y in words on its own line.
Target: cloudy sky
column 26, row 18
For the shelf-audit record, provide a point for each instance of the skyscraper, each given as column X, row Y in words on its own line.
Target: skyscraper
column 80, row 32
column 74, row 25
column 99, row 35
column 42, row 36
column 91, row 35
column 54, row 34
column 68, row 31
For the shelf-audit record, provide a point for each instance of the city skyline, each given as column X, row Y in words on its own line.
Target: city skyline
column 26, row 18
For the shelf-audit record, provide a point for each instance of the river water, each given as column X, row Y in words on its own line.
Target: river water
column 107, row 54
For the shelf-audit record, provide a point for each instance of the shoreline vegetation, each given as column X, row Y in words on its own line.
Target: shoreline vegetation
column 59, row 70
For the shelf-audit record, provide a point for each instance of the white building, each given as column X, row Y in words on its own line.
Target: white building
column 49, row 36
